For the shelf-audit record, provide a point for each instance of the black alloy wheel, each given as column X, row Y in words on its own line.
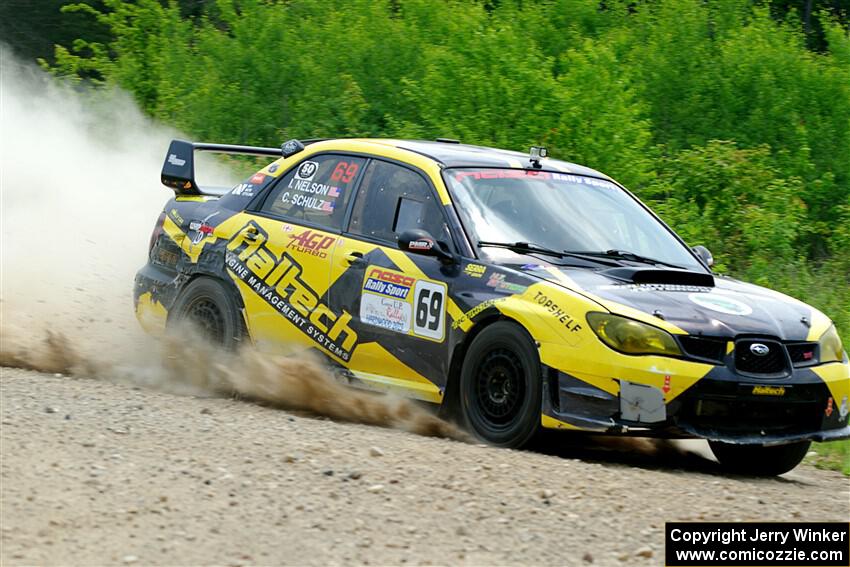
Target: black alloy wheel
column 204, row 314
column 500, row 386
column 208, row 306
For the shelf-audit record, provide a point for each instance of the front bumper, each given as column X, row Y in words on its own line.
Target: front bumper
column 721, row 406
column 154, row 291
column 729, row 411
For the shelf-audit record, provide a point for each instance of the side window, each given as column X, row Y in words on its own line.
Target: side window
column 393, row 199
column 316, row 190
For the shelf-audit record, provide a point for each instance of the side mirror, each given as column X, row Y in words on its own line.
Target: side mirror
column 704, row 255
column 419, row 241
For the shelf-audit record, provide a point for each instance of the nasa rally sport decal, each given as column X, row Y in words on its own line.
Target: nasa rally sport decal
column 401, row 303
column 720, row 303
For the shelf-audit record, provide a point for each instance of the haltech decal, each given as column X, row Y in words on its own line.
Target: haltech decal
column 768, row 391
column 277, row 281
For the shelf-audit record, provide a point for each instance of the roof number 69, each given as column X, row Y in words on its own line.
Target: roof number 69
column 344, row 172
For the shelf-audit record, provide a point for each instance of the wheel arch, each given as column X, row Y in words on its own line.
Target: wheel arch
column 450, row 397
column 222, row 278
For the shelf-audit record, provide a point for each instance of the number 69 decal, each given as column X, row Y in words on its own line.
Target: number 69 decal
column 429, row 306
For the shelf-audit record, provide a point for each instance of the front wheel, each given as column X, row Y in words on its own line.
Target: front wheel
column 759, row 460
column 500, row 386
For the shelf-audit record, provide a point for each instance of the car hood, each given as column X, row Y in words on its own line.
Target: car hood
column 727, row 309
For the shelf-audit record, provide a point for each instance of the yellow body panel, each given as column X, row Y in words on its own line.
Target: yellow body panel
column 425, row 392
column 193, row 250
column 820, row 324
column 554, row 314
column 273, row 264
column 151, row 314
column 837, row 378
column 552, row 423
column 371, row 359
column 615, row 307
column 373, row 363
column 603, row 368
column 568, row 344
column 193, row 198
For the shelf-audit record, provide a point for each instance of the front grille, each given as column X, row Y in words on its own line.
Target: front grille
column 803, row 354
column 737, row 415
column 730, row 408
column 772, row 362
column 705, row 348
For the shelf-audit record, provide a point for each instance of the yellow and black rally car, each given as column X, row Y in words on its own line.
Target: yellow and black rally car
column 523, row 291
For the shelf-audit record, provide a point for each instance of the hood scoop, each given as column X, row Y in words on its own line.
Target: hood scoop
column 641, row 275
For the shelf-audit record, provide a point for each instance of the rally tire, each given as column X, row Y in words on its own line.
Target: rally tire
column 500, row 386
column 210, row 308
column 759, row 460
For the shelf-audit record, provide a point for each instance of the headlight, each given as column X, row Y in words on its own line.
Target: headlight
column 830, row 346
column 630, row 336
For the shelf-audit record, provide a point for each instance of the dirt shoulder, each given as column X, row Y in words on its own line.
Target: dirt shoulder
column 99, row 473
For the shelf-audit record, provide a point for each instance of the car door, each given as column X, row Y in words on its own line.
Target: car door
column 280, row 258
column 397, row 300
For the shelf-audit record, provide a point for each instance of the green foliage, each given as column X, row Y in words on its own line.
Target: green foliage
column 834, row 455
column 739, row 204
column 750, row 80
column 716, row 112
column 733, row 200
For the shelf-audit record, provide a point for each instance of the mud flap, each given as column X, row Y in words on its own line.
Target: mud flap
column 641, row 403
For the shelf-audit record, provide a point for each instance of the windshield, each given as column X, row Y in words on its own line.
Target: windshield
column 559, row 211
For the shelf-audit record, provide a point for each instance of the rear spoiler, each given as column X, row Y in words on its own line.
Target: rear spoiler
column 178, row 170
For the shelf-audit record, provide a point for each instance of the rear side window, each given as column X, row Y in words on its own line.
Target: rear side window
column 393, row 199
column 317, row 190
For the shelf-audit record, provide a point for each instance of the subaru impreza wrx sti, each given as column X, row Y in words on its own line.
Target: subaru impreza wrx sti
column 522, row 291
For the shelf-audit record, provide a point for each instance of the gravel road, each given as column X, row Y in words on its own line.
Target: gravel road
column 96, row 473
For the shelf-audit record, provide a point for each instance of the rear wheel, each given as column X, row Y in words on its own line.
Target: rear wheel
column 500, row 386
column 759, row 460
column 208, row 306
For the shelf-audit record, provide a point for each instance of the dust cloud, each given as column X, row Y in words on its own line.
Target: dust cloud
column 79, row 195
column 79, row 175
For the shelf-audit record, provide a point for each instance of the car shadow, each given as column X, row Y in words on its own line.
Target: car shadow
column 654, row 454
column 650, row 454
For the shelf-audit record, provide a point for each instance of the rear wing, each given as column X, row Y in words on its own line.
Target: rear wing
column 178, row 170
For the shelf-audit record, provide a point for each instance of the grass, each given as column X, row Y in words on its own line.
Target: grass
column 834, row 455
